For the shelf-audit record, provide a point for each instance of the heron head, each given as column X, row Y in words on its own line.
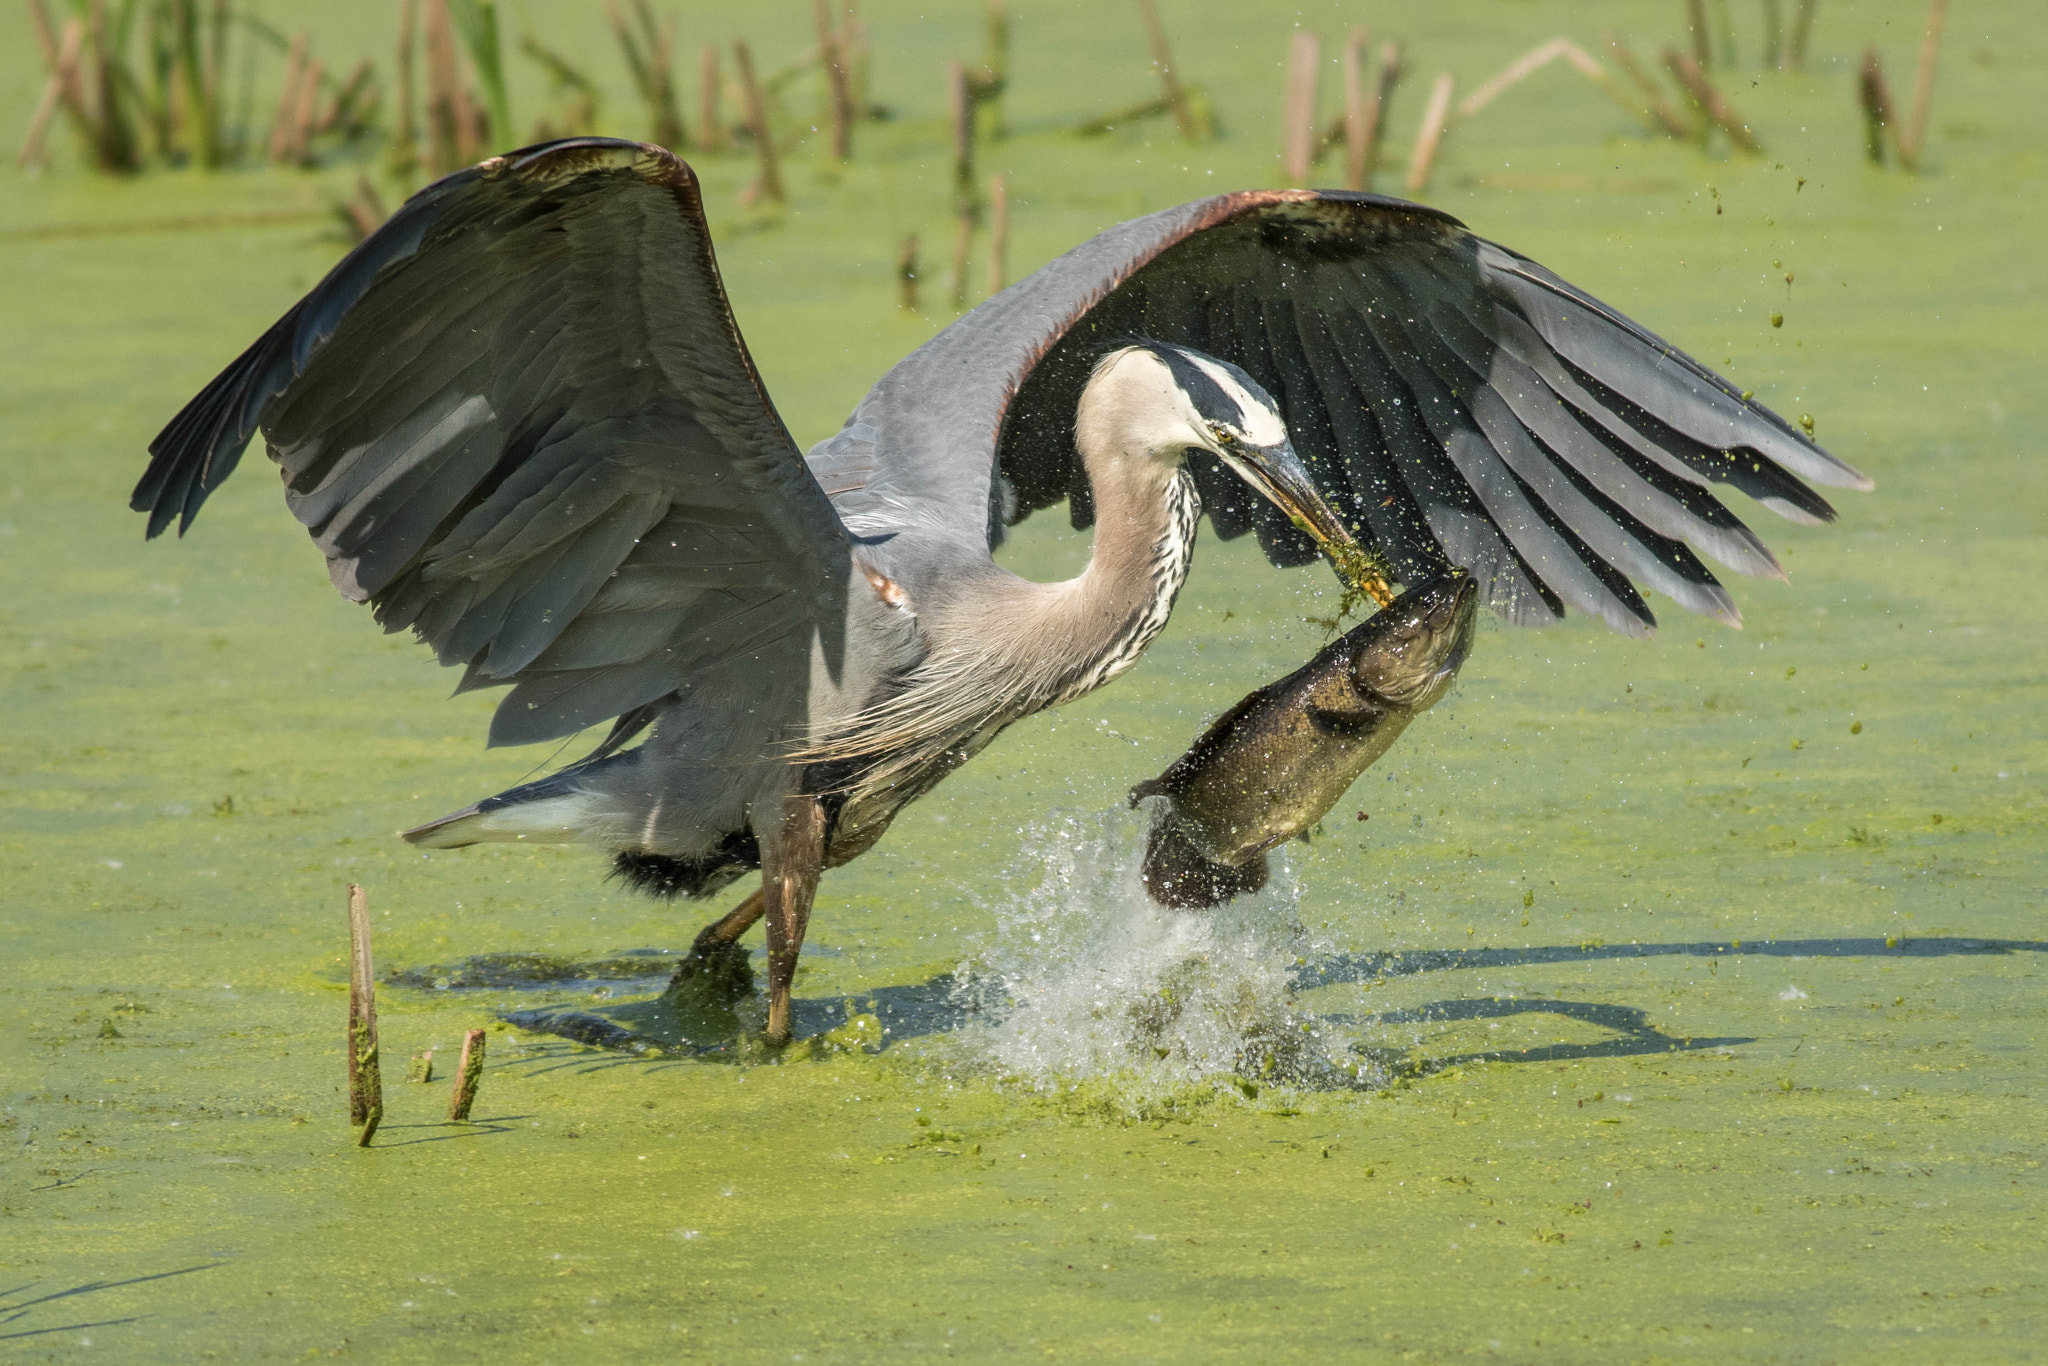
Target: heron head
column 1159, row 400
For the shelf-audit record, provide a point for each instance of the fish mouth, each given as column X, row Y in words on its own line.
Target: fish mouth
column 1278, row 475
column 1414, row 649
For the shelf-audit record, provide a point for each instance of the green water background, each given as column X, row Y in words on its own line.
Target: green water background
column 1853, row 1171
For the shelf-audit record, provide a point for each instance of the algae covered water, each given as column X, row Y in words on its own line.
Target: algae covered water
column 1674, row 1001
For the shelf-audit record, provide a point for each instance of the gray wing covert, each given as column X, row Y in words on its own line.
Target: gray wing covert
column 1456, row 403
column 520, row 420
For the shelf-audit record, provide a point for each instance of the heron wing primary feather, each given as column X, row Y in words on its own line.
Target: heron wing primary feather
column 520, row 420
column 1455, row 401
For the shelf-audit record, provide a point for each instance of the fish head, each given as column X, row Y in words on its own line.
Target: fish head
column 1410, row 653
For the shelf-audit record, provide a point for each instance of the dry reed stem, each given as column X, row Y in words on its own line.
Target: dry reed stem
column 1354, row 109
column 72, row 89
column 960, row 106
column 1655, row 106
column 1298, row 110
column 1802, row 32
column 998, row 233
column 1520, row 69
column 302, row 114
column 1391, row 69
column 1874, row 97
column 994, row 77
column 906, row 275
column 1696, row 32
column 651, row 58
column 468, row 1073
column 63, row 77
column 116, row 145
column 365, row 1083
column 365, row 209
column 1914, row 139
column 1430, row 136
column 1171, row 90
column 768, row 185
column 445, row 105
column 838, row 88
column 405, row 137
column 710, row 124
column 1710, row 102
column 288, row 99
column 963, row 241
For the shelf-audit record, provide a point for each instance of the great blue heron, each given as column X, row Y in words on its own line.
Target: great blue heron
column 520, row 420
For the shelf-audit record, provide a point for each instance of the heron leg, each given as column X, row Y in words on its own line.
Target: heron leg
column 716, row 959
column 790, row 866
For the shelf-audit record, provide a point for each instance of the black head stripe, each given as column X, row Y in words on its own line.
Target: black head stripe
column 1211, row 399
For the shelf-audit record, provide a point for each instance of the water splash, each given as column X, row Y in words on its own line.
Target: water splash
column 1086, row 978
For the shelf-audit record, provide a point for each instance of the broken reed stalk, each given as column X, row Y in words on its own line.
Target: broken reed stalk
column 710, row 126
column 477, row 21
column 1710, row 102
column 838, row 88
column 288, row 99
column 468, row 1073
column 1171, row 90
column 1913, row 140
column 69, row 76
column 1874, row 97
column 1802, row 31
column 960, row 103
column 650, row 57
column 906, row 275
column 1656, row 108
column 1391, row 69
column 450, row 120
column 63, row 77
column 1429, row 137
column 768, row 185
column 1724, row 29
column 1774, row 33
column 364, row 210
column 963, row 240
column 302, row 116
column 995, row 67
column 422, row 1069
column 1105, row 123
column 1696, row 32
column 998, row 233
column 1354, row 109
column 365, row 1085
column 1520, row 69
column 966, row 205
column 109, row 95
column 1581, row 61
column 859, row 59
column 404, row 157
column 1298, row 111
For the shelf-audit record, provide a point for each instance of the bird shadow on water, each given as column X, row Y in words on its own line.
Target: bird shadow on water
column 25, row 1311
column 657, row 1030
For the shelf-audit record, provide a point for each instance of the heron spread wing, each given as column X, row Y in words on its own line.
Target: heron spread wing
column 520, row 419
column 1455, row 401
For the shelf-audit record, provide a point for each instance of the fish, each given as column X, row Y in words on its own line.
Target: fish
column 1273, row 765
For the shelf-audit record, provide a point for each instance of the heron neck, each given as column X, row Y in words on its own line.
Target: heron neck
column 1145, row 520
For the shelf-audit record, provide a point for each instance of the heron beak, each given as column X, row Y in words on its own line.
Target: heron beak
column 1278, row 474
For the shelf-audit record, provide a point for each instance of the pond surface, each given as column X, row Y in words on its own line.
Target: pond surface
column 1678, row 1001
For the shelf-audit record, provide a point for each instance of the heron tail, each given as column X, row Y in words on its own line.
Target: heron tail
column 557, row 809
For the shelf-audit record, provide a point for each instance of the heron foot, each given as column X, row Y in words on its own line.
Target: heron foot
column 716, row 970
